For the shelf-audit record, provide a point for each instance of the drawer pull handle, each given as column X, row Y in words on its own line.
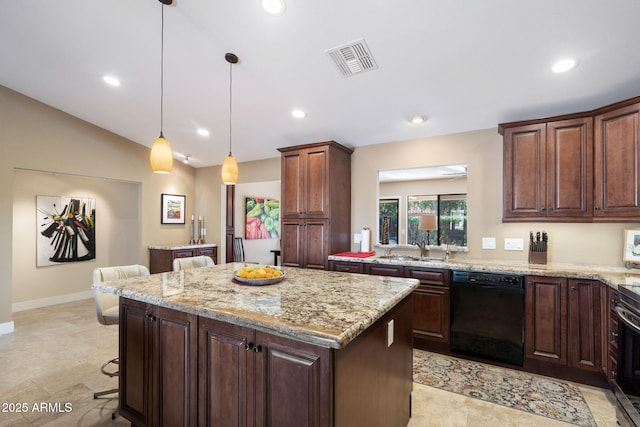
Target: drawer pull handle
column 257, row 349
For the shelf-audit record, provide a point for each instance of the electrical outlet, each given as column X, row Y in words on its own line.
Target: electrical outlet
column 488, row 243
column 513, row 244
column 389, row 333
column 357, row 237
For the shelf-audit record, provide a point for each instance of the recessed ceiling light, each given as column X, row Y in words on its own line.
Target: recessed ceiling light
column 298, row 114
column 274, row 7
column 112, row 81
column 416, row 120
column 203, row 132
column 564, row 65
column 186, row 158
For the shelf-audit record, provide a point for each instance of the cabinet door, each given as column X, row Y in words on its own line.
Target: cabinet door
column 292, row 382
column 316, row 244
column 431, row 313
column 211, row 252
column 292, row 243
column 585, row 325
column 570, row 168
column 224, row 374
column 174, row 375
column 135, row 357
column 617, row 163
column 546, row 319
column 316, row 181
column 525, row 171
column 292, row 175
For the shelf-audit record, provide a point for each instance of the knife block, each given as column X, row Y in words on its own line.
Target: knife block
column 537, row 257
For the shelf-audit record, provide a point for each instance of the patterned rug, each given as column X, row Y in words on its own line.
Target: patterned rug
column 507, row 387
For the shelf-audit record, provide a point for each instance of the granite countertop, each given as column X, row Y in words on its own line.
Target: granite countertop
column 612, row 276
column 178, row 247
column 320, row 307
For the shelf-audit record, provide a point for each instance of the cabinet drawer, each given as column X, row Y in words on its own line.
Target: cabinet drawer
column 385, row 270
column 348, row 267
column 182, row 253
column 428, row 276
column 205, row 251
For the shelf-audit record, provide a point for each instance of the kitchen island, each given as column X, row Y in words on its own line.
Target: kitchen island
column 317, row 349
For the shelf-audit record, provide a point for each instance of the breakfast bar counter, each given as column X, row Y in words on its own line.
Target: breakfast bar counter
column 317, row 348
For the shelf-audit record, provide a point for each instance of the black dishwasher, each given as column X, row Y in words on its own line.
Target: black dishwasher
column 487, row 316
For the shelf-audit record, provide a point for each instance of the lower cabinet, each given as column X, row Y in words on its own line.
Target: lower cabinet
column 161, row 260
column 431, row 308
column 563, row 323
column 253, row 378
column 178, row 369
column 153, row 342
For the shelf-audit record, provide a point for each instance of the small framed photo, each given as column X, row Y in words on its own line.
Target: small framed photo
column 631, row 249
column 172, row 209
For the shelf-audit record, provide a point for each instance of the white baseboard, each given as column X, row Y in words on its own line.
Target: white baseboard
column 6, row 328
column 45, row 302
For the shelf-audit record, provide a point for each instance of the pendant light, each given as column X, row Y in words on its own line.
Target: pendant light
column 230, row 165
column 161, row 157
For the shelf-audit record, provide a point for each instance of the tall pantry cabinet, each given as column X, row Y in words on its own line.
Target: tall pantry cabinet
column 315, row 210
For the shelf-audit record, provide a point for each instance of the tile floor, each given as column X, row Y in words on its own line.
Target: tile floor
column 51, row 367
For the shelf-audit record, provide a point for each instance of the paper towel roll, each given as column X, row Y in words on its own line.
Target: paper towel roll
column 365, row 240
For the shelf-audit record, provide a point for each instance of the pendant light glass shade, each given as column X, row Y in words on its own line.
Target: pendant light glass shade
column 229, row 170
column 161, row 157
column 230, row 165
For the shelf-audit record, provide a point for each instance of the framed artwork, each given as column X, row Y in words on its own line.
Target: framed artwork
column 172, row 210
column 631, row 248
column 262, row 218
column 66, row 230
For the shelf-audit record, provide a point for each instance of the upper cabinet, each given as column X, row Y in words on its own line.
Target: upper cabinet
column 575, row 168
column 617, row 163
column 315, row 209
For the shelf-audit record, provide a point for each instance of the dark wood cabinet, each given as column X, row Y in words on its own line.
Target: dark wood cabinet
column 564, row 326
column 585, row 328
column 161, row 259
column 582, row 167
column 316, row 203
column 546, row 319
column 157, row 365
column 304, row 241
column 548, row 170
column 617, row 163
column 346, row 266
column 392, row 270
column 431, row 308
column 613, row 337
column 178, row 369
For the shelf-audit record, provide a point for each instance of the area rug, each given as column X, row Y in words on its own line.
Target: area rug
column 507, row 387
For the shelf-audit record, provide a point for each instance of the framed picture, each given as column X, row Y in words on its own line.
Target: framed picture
column 631, row 249
column 172, row 209
column 262, row 218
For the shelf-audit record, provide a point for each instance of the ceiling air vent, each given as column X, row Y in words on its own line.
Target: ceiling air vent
column 352, row 58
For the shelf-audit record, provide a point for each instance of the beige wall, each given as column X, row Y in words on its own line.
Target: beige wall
column 589, row 244
column 39, row 138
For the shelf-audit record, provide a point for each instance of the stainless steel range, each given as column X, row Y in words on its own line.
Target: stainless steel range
column 627, row 385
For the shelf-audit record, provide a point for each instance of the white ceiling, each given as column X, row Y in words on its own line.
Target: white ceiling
column 465, row 64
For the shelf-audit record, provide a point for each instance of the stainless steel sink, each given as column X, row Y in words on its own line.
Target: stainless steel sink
column 400, row 257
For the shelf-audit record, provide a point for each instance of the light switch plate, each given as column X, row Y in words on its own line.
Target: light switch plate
column 488, row 243
column 511, row 244
column 389, row 333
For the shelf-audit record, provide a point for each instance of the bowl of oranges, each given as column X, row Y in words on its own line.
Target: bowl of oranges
column 256, row 274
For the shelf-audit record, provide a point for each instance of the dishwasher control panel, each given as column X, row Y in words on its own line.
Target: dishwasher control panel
column 484, row 278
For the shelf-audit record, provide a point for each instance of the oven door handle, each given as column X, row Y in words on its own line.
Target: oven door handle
column 623, row 313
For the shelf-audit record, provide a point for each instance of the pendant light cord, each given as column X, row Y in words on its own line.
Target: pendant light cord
column 230, row 100
column 162, row 73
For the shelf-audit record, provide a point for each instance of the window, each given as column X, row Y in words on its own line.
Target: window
column 451, row 212
column 388, row 208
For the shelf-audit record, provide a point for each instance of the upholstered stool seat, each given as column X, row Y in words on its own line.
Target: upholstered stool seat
column 192, row 262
